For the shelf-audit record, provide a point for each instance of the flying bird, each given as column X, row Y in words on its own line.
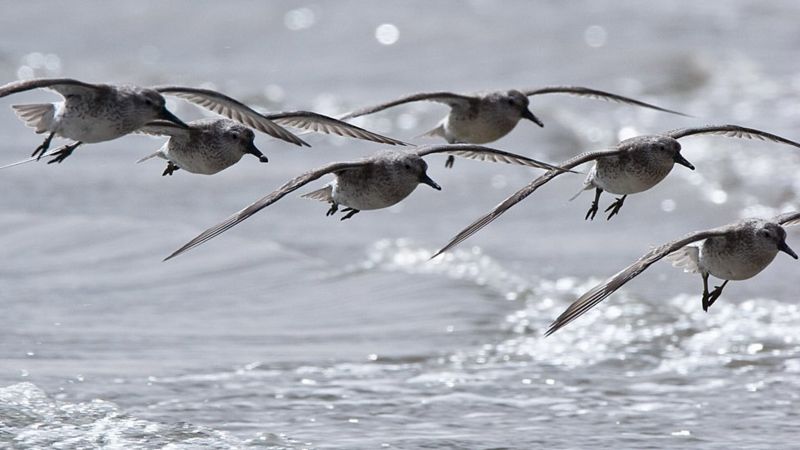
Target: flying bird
column 634, row 165
column 376, row 182
column 486, row 117
column 89, row 113
column 738, row 251
column 208, row 146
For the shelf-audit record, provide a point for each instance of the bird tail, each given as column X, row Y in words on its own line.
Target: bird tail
column 157, row 154
column 38, row 115
column 438, row 131
column 324, row 195
column 686, row 258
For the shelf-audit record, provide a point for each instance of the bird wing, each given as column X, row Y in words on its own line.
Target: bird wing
column 518, row 196
column 734, row 131
column 163, row 128
column 64, row 86
column 233, row 109
column 606, row 288
column 265, row 201
column 482, row 153
column 594, row 93
column 319, row 123
column 448, row 98
column 787, row 219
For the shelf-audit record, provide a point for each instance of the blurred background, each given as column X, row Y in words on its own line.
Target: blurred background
column 296, row 330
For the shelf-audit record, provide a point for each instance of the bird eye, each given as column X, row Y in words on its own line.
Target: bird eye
column 407, row 166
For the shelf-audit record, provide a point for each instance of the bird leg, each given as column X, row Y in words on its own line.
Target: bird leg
column 350, row 213
column 332, row 211
column 710, row 297
column 64, row 153
column 595, row 205
column 450, row 160
column 615, row 207
column 171, row 168
column 40, row 150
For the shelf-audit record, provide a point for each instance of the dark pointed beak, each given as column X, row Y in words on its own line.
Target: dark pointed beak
column 427, row 180
column 167, row 115
column 682, row 161
column 527, row 114
column 784, row 247
column 256, row 152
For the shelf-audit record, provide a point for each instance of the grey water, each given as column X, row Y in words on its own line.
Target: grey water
column 296, row 330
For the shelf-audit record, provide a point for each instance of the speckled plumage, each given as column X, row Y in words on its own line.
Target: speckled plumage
column 634, row 165
column 641, row 163
column 732, row 252
column 92, row 112
column 207, row 147
column 376, row 182
column 485, row 117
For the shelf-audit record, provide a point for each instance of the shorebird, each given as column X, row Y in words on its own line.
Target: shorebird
column 273, row 123
column 376, row 182
column 486, row 117
column 206, row 147
column 634, row 165
column 738, row 251
column 90, row 113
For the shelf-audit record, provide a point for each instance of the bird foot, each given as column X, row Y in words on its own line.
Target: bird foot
column 450, row 160
column 592, row 211
column 63, row 154
column 711, row 297
column 332, row 211
column 350, row 213
column 171, row 168
column 42, row 149
column 615, row 207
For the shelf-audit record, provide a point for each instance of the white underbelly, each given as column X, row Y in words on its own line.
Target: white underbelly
column 195, row 160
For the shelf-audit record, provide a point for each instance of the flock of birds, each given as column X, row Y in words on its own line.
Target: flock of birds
column 92, row 113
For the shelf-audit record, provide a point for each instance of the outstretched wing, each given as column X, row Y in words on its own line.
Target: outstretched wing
column 482, row 153
column 606, row 288
column 448, row 98
column 518, row 196
column 265, row 201
column 64, row 86
column 163, row 128
column 787, row 219
column 734, row 131
column 233, row 109
column 602, row 95
column 319, row 123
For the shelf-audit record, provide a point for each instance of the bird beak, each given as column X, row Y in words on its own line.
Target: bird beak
column 427, row 180
column 166, row 115
column 256, row 152
column 527, row 114
column 784, row 247
column 682, row 161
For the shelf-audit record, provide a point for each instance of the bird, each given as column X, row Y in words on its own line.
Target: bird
column 375, row 182
column 207, row 147
column 737, row 251
column 90, row 113
column 634, row 165
column 273, row 123
column 486, row 117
